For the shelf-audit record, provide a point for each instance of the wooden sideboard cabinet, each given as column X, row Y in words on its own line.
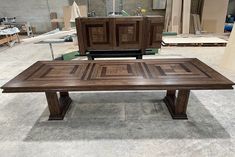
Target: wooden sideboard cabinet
column 119, row 34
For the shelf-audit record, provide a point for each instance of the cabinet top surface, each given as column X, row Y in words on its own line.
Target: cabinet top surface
column 189, row 73
column 98, row 17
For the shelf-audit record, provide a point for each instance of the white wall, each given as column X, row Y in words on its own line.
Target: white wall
column 37, row 12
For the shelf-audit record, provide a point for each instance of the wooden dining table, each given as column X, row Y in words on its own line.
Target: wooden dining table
column 176, row 76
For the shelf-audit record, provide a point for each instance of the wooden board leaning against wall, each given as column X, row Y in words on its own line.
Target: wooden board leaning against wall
column 209, row 17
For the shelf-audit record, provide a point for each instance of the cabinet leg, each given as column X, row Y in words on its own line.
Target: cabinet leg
column 177, row 106
column 58, row 107
column 139, row 57
column 90, row 58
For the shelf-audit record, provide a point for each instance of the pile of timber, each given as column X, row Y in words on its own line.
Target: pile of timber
column 177, row 17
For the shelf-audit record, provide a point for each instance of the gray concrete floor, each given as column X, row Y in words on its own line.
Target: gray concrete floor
column 127, row 124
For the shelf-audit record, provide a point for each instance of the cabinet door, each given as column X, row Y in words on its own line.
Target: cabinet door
column 96, row 33
column 154, row 28
column 128, row 33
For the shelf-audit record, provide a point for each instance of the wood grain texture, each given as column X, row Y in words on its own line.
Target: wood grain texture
column 159, row 74
column 165, row 74
column 119, row 33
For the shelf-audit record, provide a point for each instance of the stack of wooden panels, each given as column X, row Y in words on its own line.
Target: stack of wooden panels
column 211, row 18
column 195, row 24
column 177, row 18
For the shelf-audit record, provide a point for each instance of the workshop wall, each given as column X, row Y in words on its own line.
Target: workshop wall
column 99, row 6
column 37, row 12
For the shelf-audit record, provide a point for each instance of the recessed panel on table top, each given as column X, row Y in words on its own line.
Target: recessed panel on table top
column 119, row 75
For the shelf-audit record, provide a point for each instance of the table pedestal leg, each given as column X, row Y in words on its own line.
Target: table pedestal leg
column 58, row 107
column 177, row 106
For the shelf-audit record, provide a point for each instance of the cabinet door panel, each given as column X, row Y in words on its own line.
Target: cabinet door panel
column 128, row 33
column 97, row 34
column 154, row 32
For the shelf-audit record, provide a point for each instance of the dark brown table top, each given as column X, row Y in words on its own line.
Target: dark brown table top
column 157, row 74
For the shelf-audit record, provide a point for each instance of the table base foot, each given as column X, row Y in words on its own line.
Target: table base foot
column 58, row 107
column 177, row 106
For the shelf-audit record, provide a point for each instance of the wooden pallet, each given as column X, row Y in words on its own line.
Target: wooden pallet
column 195, row 44
column 8, row 38
column 193, row 41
